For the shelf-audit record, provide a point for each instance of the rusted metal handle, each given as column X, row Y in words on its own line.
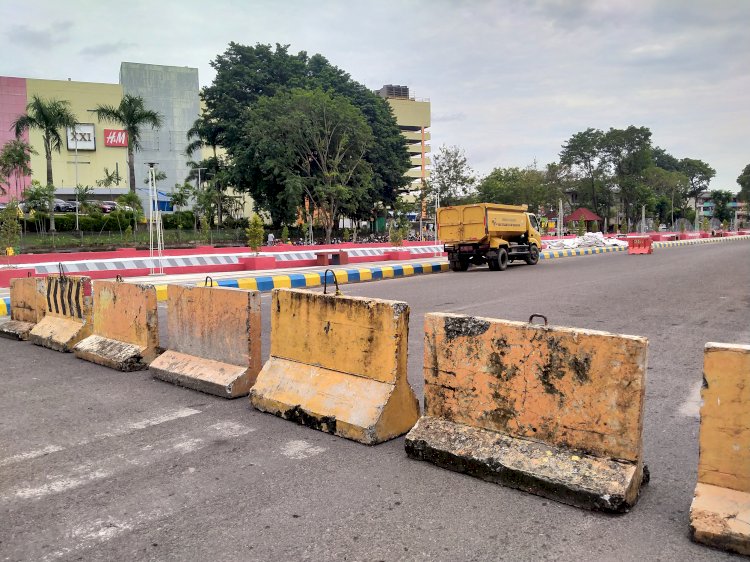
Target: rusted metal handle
column 325, row 282
column 209, row 282
column 118, row 279
column 542, row 316
column 61, row 269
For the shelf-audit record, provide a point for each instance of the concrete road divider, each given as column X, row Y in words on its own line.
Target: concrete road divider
column 67, row 316
column 28, row 305
column 720, row 514
column 214, row 340
column 553, row 411
column 338, row 364
column 125, row 327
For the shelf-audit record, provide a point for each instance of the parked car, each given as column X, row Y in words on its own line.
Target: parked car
column 64, row 206
column 109, row 206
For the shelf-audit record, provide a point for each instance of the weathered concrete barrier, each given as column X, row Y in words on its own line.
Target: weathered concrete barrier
column 720, row 514
column 125, row 327
column 27, row 307
column 338, row 364
column 553, row 411
column 67, row 317
column 214, row 340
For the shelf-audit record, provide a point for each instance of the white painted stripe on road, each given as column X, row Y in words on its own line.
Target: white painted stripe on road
column 77, row 475
column 116, row 432
column 31, row 455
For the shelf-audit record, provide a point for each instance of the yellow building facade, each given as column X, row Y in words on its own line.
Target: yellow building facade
column 84, row 154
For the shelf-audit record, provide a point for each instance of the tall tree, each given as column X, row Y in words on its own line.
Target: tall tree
column 451, row 179
column 49, row 117
column 672, row 186
column 133, row 116
column 245, row 74
column 583, row 152
column 314, row 143
column 628, row 156
column 743, row 180
column 721, row 201
column 15, row 161
column 204, row 133
column 699, row 176
column 516, row 186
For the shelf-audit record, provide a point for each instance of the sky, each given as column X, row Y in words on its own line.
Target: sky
column 509, row 81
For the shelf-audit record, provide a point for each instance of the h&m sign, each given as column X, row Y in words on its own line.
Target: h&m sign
column 81, row 136
column 115, row 137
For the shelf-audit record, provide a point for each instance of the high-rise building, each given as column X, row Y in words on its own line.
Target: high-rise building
column 413, row 118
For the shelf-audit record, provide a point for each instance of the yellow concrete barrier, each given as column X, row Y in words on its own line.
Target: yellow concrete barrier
column 214, row 340
column 125, row 327
column 553, row 411
column 27, row 307
column 67, row 317
column 720, row 514
column 338, row 364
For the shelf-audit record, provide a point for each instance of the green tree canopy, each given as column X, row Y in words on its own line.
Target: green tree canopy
column 132, row 115
column 627, row 154
column 516, row 186
column 699, row 175
column 743, row 180
column 451, row 180
column 583, row 152
column 721, row 200
column 314, row 145
column 247, row 74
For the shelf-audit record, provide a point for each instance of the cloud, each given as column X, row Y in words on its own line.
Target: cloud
column 105, row 49
column 448, row 117
column 40, row 39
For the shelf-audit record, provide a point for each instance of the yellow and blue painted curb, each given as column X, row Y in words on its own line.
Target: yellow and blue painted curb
column 317, row 278
column 551, row 254
column 5, row 306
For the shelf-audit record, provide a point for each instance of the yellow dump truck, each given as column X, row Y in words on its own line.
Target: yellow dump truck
column 489, row 233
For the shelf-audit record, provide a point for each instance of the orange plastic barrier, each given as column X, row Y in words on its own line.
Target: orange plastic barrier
column 640, row 245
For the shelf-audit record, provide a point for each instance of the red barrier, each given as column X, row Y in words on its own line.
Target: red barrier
column 640, row 245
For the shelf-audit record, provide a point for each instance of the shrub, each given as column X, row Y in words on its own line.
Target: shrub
column 285, row 235
column 255, row 233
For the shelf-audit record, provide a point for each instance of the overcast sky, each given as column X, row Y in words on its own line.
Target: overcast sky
column 509, row 81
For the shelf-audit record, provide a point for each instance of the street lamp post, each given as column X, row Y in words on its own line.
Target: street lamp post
column 75, row 136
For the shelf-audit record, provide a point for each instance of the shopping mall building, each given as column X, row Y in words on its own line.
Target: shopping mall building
column 95, row 146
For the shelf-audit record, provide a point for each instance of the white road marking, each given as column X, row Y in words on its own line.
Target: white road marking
column 99, row 531
column 116, row 432
column 691, row 407
column 300, row 450
column 31, row 454
column 97, row 469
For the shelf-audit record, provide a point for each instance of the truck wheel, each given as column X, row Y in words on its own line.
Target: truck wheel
column 460, row 265
column 502, row 259
column 533, row 256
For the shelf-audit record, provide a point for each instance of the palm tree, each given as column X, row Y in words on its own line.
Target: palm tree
column 48, row 116
column 204, row 132
column 15, row 160
column 132, row 116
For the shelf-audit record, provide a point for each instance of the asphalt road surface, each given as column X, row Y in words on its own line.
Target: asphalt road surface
column 101, row 465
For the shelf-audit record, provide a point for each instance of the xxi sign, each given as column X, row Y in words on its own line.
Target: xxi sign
column 81, row 137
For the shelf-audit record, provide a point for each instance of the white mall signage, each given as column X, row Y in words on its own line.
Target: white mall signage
column 81, row 137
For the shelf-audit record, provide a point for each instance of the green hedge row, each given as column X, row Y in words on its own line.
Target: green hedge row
column 97, row 222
